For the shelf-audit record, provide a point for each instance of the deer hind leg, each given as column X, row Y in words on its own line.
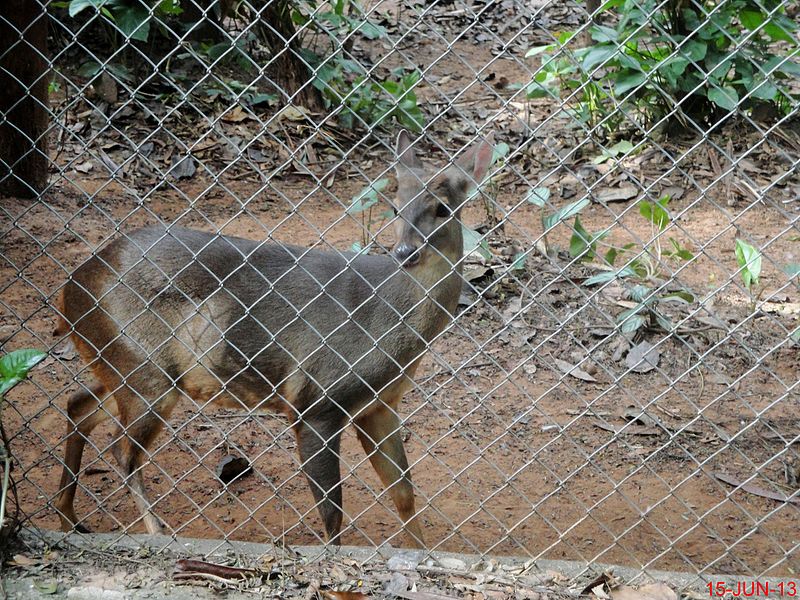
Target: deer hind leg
column 318, row 441
column 379, row 434
column 145, row 401
column 86, row 409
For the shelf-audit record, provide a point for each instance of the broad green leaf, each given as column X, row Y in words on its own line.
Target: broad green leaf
column 609, row 275
column 539, row 196
column 76, row 6
column 749, row 259
column 695, row 51
column 763, row 90
column 570, row 210
column 655, row 212
column 777, row 33
column 638, row 293
column 628, row 81
column 371, row 31
column 683, row 296
column 725, row 97
column 15, row 365
column 519, row 261
column 133, row 20
column 367, row 197
column 630, row 323
column 751, row 19
column 474, row 242
column 538, row 50
column 356, row 247
column 598, row 55
column 603, row 33
column 500, row 151
column 792, row 269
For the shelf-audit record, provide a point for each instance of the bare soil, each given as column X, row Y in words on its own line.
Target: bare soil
column 510, row 455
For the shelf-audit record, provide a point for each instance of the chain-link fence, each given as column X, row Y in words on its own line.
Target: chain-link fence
column 596, row 351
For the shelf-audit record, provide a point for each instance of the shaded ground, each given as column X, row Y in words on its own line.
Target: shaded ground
column 510, row 454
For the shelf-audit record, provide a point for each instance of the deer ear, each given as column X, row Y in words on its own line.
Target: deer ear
column 475, row 162
column 406, row 156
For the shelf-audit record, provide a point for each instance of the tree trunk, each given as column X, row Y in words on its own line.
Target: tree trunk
column 289, row 70
column 23, row 98
column 591, row 9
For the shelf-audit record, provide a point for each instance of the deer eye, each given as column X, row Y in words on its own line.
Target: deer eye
column 442, row 210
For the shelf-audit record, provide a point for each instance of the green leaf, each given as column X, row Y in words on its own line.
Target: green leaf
column 609, row 275
column 598, row 55
column 679, row 251
column 371, row 31
column 638, row 293
column 682, row 296
column 367, row 197
column 538, row 50
column 15, row 365
column 170, row 7
column 356, row 247
column 627, row 81
column 751, row 19
column 792, row 269
column 568, row 211
column 725, row 97
column 76, row 6
column 473, row 241
column 749, row 259
column 539, row 196
column 763, row 90
column 519, row 261
column 630, row 322
column 655, row 212
column 133, row 20
column 777, row 33
column 603, row 33
column 795, row 336
column 694, row 51
column 500, row 151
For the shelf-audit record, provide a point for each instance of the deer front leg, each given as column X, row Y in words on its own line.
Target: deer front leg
column 379, row 433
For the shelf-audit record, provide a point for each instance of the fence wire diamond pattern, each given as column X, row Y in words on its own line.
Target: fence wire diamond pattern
column 618, row 382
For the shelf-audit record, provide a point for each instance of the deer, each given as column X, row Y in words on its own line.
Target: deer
column 329, row 339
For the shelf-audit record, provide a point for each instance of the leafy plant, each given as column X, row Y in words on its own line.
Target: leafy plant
column 749, row 260
column 363, row 204
column 644, row 272
column 653, row 57
column 344, row 82
column 539, row 197
column 14, row 367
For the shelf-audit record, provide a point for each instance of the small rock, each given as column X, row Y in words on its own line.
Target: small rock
column 396, row 585
column 452, row 564
column 94, row 593
column 7, row 331
column 406, row 560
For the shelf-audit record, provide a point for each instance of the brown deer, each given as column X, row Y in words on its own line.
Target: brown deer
column 326, row 338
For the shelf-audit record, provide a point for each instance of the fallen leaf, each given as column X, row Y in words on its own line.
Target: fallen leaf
column 751, row 488
column 183, row 168
column 84, row 167
column 620, row 194
column 643, row 357
column 576, row 372
column 236, row 115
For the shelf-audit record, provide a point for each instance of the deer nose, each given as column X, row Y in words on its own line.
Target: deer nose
column 407, row 255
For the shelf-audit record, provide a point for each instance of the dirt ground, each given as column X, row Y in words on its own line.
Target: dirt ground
column 510, row 455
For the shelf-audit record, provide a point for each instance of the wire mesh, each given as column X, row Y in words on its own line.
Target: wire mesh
column 618, row 382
